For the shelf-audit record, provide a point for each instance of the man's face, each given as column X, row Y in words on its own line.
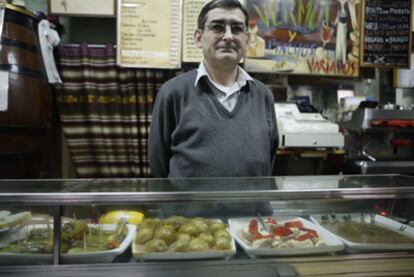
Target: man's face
column 227, row 47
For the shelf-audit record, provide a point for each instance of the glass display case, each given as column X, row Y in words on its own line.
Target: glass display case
column 266, row 226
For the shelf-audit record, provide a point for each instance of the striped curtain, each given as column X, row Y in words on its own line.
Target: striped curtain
column 105, row 111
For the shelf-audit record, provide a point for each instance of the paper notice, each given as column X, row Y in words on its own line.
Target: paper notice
column 149, row 36
column 192, row 8
column 4, row 90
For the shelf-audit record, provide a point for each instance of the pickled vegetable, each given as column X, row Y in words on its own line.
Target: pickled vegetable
column 223, row 243
column 189, row 228
column 179, row 246
column 366, row 233
column 198, row 245
column 144, row 235
column 217, row 225
column 183, row 236
column 207, row 238
column 156, row 245
column 166, row 233
column 180, row 234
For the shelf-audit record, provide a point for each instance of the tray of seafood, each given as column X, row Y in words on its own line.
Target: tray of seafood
column 282, row 236
column 367, row 232
column 81, row 242
column 181, row 238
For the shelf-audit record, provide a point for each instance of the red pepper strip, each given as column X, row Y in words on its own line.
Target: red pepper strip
column 281, row 231
column 253, row 228
column 294, row 224
column 306, row 236
column 271, row 220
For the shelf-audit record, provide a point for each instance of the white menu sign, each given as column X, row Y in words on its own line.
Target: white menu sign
column 149, row 33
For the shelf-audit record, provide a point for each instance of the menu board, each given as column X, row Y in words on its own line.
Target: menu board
column 386, row 33
column 149, row 33
column 192, row 8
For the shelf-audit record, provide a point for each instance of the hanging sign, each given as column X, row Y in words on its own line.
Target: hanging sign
column 149, row 33
column 386, row 33
column 312, row 37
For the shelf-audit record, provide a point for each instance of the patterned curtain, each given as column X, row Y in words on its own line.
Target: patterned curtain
column 105, row 111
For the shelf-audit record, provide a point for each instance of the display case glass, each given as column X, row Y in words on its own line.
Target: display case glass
column 207, row 221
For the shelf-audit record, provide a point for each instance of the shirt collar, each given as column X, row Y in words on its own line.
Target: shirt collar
column 242, row 76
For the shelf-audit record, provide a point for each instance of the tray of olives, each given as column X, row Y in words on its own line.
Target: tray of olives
column 181, row 238
column 367, row 232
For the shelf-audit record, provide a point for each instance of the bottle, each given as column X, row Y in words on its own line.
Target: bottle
column 341, row 34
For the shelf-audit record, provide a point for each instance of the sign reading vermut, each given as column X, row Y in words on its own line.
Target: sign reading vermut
column 315, row 37
column 386, row 33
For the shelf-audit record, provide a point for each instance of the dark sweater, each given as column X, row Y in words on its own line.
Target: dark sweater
column 193, row 135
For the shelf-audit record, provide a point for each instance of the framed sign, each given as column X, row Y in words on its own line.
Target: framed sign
column 386, row 33
column 149, row 33
column 90, row 8
column 312, row 37
column 191, row 8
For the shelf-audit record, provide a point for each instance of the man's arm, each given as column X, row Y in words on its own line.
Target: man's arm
column 159, row 142
column 273, row 129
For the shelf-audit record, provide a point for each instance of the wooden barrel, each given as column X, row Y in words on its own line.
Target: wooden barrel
column 24, row 125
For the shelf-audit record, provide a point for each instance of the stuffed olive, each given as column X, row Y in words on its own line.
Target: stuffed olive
column 189, row 228
column 156, row 245
column 165, row 232
column 198, row 244
column 179, row 246
column 144, row 235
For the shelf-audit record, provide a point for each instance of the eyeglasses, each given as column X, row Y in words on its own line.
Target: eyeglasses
column 220, row 28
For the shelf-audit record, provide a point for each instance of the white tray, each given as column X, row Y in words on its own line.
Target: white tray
column 22, row 223
column 380, row 221
column 138, row 250
column 332, row 243
column 106, row 256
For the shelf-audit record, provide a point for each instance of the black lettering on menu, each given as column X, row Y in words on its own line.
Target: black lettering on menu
column 386, row 33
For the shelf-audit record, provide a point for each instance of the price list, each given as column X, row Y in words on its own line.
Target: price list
column 386, row 33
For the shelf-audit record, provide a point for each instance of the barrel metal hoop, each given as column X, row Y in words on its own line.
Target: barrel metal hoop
column 19, row 44
column 12, row 68
column 20, row 10
column 14, row 17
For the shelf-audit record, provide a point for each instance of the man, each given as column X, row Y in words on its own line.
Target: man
column 215, row 121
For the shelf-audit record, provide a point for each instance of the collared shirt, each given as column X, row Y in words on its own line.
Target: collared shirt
column 227, row 96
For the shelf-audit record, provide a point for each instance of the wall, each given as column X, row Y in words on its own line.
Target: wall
column 81, row 29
